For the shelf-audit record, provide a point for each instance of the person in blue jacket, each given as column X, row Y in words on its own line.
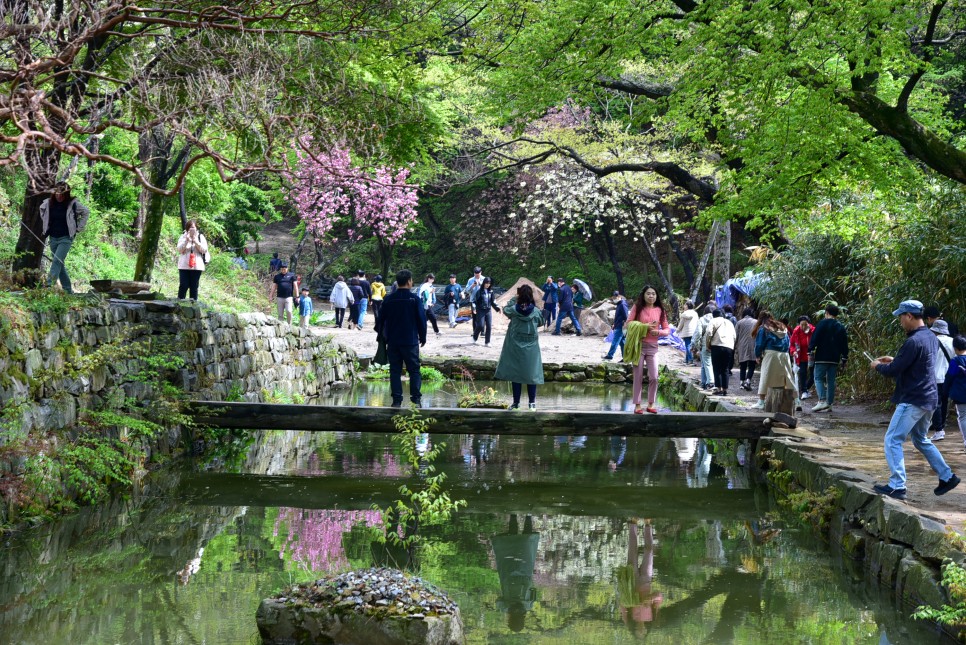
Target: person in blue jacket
column 956, row 382
column 620, row 319
column 402, row 324
column 916, row 396
column 549, row 302
column 565, row 306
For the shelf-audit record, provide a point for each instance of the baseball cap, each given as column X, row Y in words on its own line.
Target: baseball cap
column 805, row 318
column 561, row 279
column 908, row 307
column 616, row 293
column 284, row 264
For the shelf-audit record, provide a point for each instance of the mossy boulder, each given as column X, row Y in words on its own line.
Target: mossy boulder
column 378, row 606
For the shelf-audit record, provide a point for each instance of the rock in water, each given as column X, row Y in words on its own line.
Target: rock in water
column 376, row 606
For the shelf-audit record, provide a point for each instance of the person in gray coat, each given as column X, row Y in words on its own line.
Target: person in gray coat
column 745, row 347
column 520, row 360
column 63, row 218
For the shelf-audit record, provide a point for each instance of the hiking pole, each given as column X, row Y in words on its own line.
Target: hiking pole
column 42, row 243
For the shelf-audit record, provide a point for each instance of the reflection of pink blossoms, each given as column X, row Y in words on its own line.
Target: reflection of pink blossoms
column 314, row 539
column 328, row 190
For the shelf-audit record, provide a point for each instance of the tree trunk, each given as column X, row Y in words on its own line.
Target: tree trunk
column 148, row 249
column 699, row 278
column 184, row 211
column 42, row 168
column 721, row 271
column 614, row 261
column 385, row 257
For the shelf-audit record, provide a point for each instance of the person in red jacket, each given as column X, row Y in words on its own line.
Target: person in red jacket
column 798, row 347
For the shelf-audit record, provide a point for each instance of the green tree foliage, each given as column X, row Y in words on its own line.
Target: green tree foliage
column 249, row 210
column 788, row 101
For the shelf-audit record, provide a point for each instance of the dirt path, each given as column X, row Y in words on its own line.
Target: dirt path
column 850, row 435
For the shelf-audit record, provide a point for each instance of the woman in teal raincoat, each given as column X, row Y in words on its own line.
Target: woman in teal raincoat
column 520, row 359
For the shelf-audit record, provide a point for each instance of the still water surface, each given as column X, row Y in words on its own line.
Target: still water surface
column 565, row 540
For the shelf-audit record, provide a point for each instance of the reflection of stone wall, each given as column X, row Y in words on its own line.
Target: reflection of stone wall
column 251, row 354
column 154, row 534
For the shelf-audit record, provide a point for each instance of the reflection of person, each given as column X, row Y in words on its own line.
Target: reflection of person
column 520, row 361
column 62, row 218
column 402, row 323
column 192, row 247
column 638, row 601
column 516, row 554
column 915, row 398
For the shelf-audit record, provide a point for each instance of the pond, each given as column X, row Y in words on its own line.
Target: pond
column 564, row 540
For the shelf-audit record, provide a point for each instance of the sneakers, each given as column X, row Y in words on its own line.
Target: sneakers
column 438, row 334
column 556, row 333
column 938, row 436
column 606, row 357
column 946, row 486
column 822, row 405
column 486, row 344
column 580, row 333
column 533, row 406
column 760, row 405
column 476, row 341
column 514, row 406
column 900, row 493
column 805, row 395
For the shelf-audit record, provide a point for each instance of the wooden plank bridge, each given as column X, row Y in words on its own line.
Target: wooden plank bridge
column 327, row 418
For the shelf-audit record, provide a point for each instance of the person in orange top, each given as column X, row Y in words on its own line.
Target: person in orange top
column 648, row 309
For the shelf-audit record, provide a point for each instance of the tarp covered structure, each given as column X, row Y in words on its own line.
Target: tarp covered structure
column 732, row 290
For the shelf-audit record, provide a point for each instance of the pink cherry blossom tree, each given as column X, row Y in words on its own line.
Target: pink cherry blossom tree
column 336, row 198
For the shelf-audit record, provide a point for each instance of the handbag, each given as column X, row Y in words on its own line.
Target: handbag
column 191, row 260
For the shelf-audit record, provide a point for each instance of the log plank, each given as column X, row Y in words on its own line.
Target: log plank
column 323, row 418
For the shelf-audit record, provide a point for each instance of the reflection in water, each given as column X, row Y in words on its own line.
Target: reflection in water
column 638, row 601
column 190, row 560
column 515, row 554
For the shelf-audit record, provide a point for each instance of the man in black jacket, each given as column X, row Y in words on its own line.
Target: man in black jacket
column 402, row 324
column 828, row 347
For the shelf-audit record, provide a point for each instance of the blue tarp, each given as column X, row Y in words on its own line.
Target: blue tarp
column 734, row 288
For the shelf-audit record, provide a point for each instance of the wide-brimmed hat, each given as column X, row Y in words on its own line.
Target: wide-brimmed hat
column 908, row 307
column 940, row 327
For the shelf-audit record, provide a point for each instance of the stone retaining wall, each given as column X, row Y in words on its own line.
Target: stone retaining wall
column 483, row 369
column 56, row 365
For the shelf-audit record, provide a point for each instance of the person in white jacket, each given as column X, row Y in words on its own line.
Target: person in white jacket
column 341, row 297
column 945, row 354
column 192, row 250
column 686, row 326
column 720, row 337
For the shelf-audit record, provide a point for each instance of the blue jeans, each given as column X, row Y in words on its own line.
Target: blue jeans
column 451, row 310
column 560, row 317
column 363, row 306
column 59, row 248
column 408, row 354
column 825, row 381
column 687, row 350
column 707, row 373
column 911, row 419
column 618, row 340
